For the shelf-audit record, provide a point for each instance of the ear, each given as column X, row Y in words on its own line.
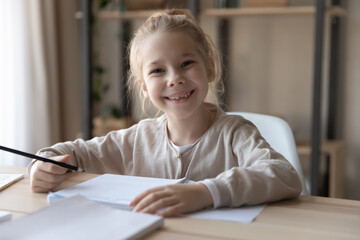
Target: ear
column 143, row 88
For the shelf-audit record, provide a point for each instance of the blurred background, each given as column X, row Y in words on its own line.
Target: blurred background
column 268, row 52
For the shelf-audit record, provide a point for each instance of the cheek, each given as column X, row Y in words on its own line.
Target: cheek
column 152, row 89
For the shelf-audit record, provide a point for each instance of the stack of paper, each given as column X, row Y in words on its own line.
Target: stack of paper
column 79, row 218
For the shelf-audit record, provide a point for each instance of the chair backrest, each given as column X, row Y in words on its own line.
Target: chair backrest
column 278, row 134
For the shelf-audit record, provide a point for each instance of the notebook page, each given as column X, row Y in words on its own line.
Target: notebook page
column 112, row 189
column 80, row 218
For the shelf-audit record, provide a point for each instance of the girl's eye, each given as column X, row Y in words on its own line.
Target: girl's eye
column 157, row 70
column 187, row 63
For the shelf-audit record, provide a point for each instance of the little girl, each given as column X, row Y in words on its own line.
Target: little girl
column 177, row 67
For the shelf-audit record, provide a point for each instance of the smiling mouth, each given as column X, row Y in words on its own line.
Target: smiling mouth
column 181, row 97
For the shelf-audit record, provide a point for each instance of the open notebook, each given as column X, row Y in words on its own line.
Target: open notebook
column 79, row 218
column 118, row 190
column 114, row 190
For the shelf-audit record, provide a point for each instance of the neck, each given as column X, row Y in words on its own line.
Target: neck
column 187, row 131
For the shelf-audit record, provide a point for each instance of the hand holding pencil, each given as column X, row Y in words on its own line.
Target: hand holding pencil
column 47, row 173
column 29, row 155
column 45, row 176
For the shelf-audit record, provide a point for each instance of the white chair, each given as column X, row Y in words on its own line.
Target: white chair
column 278, row 134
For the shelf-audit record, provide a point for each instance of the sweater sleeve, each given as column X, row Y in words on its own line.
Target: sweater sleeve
column 110, row 153
column 263, row 175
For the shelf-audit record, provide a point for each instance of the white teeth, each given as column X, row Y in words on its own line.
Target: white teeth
column 183, row 96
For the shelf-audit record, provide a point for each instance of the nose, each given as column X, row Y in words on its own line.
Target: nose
column 175, row 78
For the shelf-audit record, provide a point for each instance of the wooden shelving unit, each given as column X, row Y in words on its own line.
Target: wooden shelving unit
column 318, row 11
column 335, row 151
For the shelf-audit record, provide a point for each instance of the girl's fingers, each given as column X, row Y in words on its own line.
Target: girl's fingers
column 49, row 177
column 44, row 182
column 53, row 168
column 173, row 199
column 42, row 186
column 154, row 199
column 153, row 206
column 138, row 198
column 46, row 176
column 170, row 211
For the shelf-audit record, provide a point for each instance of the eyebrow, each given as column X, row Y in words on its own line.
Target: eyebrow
column 182, row 56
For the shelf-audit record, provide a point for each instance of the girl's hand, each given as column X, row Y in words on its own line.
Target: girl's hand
column 173, row 199
column 46, row 176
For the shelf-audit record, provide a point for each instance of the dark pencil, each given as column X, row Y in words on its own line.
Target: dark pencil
column 29, row 155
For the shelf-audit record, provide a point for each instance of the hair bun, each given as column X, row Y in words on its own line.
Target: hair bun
column 179, row 13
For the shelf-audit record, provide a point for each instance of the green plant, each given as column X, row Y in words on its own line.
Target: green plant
column 100, row 87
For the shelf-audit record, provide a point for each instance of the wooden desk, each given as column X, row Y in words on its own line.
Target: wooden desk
column 306, row 217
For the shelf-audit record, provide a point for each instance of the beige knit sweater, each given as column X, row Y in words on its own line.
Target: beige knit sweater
column 231, row 159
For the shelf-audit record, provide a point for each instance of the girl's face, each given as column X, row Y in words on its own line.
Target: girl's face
column 174, row 74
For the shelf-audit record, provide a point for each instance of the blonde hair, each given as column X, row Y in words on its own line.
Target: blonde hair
column 175, row 20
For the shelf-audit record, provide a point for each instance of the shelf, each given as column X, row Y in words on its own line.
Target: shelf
column 236, row 12
column 228, row 12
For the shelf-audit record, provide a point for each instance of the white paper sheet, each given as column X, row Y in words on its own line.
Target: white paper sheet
column 80, row 218
column 245, row 214
column 114, row 190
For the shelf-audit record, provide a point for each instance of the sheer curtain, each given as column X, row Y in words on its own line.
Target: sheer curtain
column 28, row 81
